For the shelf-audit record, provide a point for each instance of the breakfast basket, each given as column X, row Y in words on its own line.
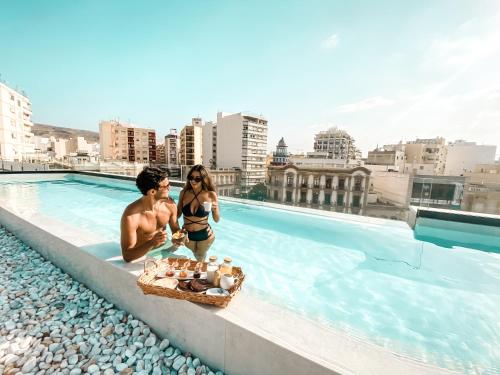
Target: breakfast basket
column 148, row 281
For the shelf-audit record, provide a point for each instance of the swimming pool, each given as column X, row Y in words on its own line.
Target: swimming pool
column 431, row 301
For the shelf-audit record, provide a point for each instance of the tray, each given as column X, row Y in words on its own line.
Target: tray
column 148, row 277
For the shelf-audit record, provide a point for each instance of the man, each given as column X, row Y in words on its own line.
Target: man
column 143, row 223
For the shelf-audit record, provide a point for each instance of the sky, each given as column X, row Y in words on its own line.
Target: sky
column 384, row 71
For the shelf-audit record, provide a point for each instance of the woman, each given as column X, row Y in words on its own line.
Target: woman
column 194, row 198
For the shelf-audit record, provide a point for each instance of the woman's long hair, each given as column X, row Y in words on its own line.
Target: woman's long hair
column 206, row 184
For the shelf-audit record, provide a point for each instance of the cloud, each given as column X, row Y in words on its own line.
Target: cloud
column 331, row 42
column 365, row 104
column 472, row 42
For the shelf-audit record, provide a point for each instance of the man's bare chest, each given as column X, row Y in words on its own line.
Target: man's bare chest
column 151, row 222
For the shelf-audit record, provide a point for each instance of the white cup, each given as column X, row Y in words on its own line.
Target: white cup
column 226, row 281
column 207, row 206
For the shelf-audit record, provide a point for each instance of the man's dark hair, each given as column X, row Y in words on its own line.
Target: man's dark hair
column 150, row 178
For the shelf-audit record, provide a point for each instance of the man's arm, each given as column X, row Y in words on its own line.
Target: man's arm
column 178, row 211
column 173, row 222
column 130, row 249
column 174, row 225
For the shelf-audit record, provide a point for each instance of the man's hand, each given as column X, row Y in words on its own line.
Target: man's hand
column 180, row 241
column 159, row 238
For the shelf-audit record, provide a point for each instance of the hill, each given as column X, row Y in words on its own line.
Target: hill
column 44, row 130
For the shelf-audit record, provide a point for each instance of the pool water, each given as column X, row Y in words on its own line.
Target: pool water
column 436, row 302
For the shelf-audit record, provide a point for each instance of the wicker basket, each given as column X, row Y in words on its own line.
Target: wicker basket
column 148, row 277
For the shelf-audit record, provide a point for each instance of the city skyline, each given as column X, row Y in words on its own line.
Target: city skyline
column 305, row 67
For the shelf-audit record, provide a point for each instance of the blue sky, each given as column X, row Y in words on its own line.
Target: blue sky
column 382, row 70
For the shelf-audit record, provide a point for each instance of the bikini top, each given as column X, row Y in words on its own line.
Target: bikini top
column 200, row 212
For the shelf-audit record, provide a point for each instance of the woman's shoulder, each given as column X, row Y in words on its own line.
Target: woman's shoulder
column 212, row 194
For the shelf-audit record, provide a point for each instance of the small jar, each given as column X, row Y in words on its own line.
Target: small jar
column 217, row 276
column 226, row 267
column 212, row 266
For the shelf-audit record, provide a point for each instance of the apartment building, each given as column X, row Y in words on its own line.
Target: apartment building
column 160, row 154
column 16, row 136
column 427, row 155
column 335, row 143
column 335, row 189
column 462, row 157
column 122, row 141
column 191, row 140
column 172, row 148
column 209, row 154
column 242, row 144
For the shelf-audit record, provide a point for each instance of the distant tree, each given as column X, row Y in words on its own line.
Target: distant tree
column 258, row 192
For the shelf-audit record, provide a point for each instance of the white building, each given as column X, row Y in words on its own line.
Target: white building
column 336, row 143
column 191, row 141
column 209, row 153
column 80, row 145
column 16, row 137
column 120, row 141
column 242, row 143
column 462, row 157
column 57, row 148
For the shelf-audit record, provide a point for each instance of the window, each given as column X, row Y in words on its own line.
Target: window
column 302, row 196
column 328, row 199
column 315, row 198
column 356, row 200
column 288, row 196
column 341, row 184
column 340, row 200
column 289, row 180
column 328, row 183
column 276, row 195
column 357, row 185
column 316, row 182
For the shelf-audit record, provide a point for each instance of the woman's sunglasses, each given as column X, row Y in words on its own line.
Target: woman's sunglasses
column 197, row 178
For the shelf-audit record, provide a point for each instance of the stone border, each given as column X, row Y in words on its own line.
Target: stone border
column 249, row 337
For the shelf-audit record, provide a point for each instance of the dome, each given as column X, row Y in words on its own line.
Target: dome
column 281, row 143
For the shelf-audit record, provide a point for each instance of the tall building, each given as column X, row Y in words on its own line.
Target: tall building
column 191, row 143
column 462, row 157
column 127, row 142
column 242, row 144
column 335, row 143
column 160, row 154
column 172, row 148
column 280, row 157
column 210, row 145
column 16, row 137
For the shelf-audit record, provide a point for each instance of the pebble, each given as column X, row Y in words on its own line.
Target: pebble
column 29, row 365
column 179, row 361
column 52, row 324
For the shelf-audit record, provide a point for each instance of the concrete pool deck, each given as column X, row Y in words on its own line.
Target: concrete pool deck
column 250, row 336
